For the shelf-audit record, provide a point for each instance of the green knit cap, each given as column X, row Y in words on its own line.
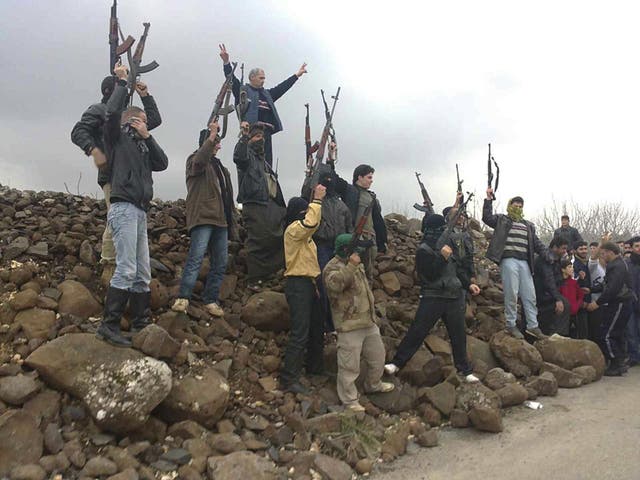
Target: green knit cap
column 342, row 240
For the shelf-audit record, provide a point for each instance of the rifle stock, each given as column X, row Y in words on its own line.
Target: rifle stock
column 427, row 206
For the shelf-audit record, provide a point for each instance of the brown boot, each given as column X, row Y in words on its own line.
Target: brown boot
column 107, row 272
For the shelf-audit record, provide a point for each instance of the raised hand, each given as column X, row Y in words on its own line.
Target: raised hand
column 244, row 127
column 224, row 55
column 302, row 70
column 214, row 128
column 319, row 192
column 489, row 193
column 121, row 71
column 142, row 89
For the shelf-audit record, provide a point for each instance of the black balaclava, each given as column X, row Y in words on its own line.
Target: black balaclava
column 433, row 228
column 296, row 209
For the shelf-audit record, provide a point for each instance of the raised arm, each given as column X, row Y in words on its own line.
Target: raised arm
column 150, row 107
column 488, row 216
column 235, row 86
column 240, row 153
column 197, row 162
column 115, row 106
column 305, row 228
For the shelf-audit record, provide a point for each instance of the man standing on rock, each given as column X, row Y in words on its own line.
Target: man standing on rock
column 306, row 329
column 513, row 246
column 210, row 221
column 633, row 330
column 554, row 314
column 133, row 155
column 353, row 310
column 263, row 207
column 260, row 101
column 87, row 134
column 358, row 197
column 445, row 281
column 616, row 301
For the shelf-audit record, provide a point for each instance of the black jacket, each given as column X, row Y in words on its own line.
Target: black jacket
column 634, row 268
column 462, row 245
column 87, row 133
column 618, row 284
column 501, row 225
column 130, row 160
column 570, row 233
column 579, row 266
column 252, row 182
column 439, row 277
column 350, row 195
column 547, row 279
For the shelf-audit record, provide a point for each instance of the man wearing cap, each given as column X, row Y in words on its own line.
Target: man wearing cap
column 444, row 285
column 353, row 311
column 513, row 246
column 87, row 134
column 263, row 207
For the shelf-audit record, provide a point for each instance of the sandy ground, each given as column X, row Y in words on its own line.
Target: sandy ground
column 592, row 432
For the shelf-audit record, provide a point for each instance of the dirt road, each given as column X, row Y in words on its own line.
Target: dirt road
column 592, row 432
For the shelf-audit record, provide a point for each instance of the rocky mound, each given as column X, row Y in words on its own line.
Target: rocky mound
column 198, row 397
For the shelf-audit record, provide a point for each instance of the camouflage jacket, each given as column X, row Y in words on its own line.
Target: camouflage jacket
column 351, row 299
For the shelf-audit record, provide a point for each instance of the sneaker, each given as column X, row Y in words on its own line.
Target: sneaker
column 180, row 305
column 296, row 387
column 536, row 332
column 471, row 378
column 214, row 309
column 515, row 333
column 354, row 407
column 391, row 369
column 385, row 387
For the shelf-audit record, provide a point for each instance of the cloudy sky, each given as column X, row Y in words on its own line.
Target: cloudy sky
column 425, row 85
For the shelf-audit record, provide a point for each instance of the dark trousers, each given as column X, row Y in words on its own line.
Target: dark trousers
column 551, row 322
column 325, row 253
column 581, row 324
column 595, row 326
column 268, row 148
column 615, row 316
column 305, row 331
column 429, row 311
column 265, row 230
column 633, row 338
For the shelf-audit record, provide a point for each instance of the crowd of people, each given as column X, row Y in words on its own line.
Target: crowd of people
column 586, row 291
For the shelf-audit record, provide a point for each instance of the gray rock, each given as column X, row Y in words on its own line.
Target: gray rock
column 28, row 472
column 569, row 353
column 20, row 440
column 565, row 378
column 240, row 465
column 17, row 390
column 15, row 248
column 486, row 419
column 179, row 456
column 99, row 466
column 332, row 468
column 53, row 441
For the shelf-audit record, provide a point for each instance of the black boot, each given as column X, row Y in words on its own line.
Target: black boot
column 614, row 369
column 114, row 306
column 140, row 309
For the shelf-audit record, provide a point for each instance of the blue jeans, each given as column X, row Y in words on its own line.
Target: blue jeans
column 633, row 337
column 518, row 282
column 214, row 240
column 128, row 225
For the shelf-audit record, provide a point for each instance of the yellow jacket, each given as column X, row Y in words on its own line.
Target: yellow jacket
column 300, row 253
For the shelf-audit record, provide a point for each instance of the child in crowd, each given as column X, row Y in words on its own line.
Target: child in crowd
column 572, row 292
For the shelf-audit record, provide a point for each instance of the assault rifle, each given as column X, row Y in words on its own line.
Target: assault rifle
column 311, row 149
column 135, row 69
column 333, row 154
column 313, row 175
column 460, row 182
column 490, row 173
column 220, row 107
column 115, row 49
column 427, row 204
column 445, row 238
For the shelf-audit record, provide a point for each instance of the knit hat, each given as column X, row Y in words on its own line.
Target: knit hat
column 434, row 221
column 295, row 209
column 107, row 86
column 343, row 240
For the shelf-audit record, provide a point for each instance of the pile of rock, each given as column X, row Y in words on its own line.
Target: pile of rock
column 199, row 396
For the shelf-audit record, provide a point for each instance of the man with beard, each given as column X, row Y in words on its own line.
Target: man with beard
column 358, row 197
column 615, row 302
column 263, row 207
column 633, row 331
column 87, row 134
column 513, row 246
column 583, row 277
column 553, row 309
column 210, row 222
column 261, row 101
column 305, row 333
column 445, row 281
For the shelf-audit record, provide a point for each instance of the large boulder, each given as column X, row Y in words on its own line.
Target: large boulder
column 413, row 372
column 20, row 440
column 470, row 395
column 516, row 356
column 486, row 419
column 546, row 384
column 442, row 396
column 245, row 465
column 401, row 399
column 570, row 353
column 120, row 387
column 36, row 322
column 480, row 350
column 16, row 390
column 497, row 378
column 512, row 394
column 566, row 378
column 199, row 397
column 76, row 299
column 156, row 342
column 266, row 311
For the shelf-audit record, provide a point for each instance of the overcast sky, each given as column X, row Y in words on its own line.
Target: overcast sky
column 425, row 85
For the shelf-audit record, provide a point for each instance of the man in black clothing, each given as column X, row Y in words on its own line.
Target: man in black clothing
column 615, row 302
column 553, row 309
column 583, row 277
column 263, row 207
column 567, row 231
column 358, row 197
column 633, row 330
column 260, row 101
column 87, row 134
column 132, row 154
column 445, row 281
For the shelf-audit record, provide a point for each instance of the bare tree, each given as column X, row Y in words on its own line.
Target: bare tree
column 591, row 220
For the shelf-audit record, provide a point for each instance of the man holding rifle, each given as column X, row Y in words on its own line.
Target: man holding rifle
column 261, row 101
